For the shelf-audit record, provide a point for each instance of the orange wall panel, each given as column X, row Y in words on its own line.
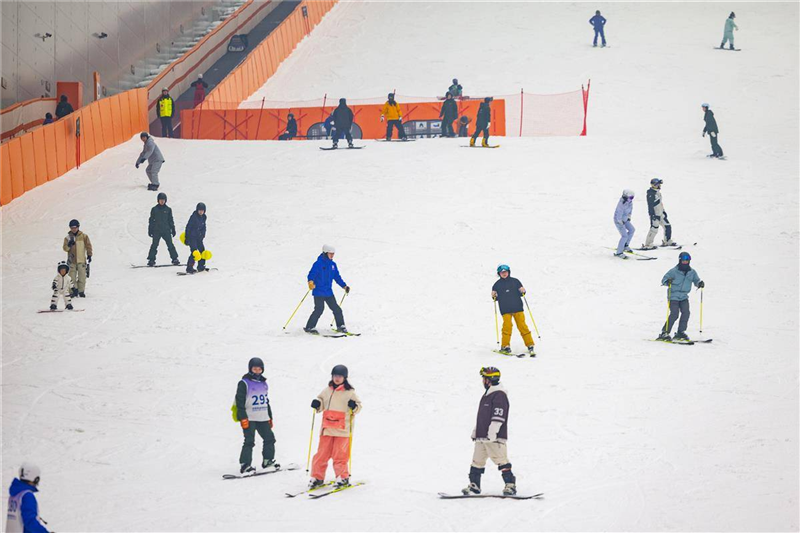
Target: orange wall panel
column 28, row 162
column 60, row 129
column 17, row 172
column 116, row 121
column 40, row 156
column 51, row 152
column 69, row 137
column 125, row 117
column 88, row 149
column 97, row 124
column 6, row 195
column 107, row 122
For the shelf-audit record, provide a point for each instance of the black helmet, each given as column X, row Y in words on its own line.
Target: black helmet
column 656, row 182
column 390, row 96
column 684, row 256
column 491, row 373
column 488, row 99
column 455, row 80
column 144, row 135
column 200, row 206
column 291, row 115
column 63, row 264
column 255, row 361
column 732, row 15
column 74, row 223
column 339, row 370
column 162, row 196
column 597, row 12
column 342, row 101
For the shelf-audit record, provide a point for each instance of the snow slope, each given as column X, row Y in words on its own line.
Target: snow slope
column 126, row 406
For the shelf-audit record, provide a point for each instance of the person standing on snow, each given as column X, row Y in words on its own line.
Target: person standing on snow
column 727, row 35
column 79, row 254
column 23, row 509
column 679, row 280
column 658, row 217
column 490, row 434
column 448, row 114
column 338, row 404
column 62, row 287
column 161, row 226
column 254, row 413
column 152, row 154
column 598, row 22
column 343, row 121
column 193, row 237
column 622, row 220
column 394, row 118
column 165, row 106
column 712, row 130
column 482, row 122
column 508, row 292
column 320, row 280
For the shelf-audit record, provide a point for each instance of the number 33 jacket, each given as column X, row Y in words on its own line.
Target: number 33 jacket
column 492, row 423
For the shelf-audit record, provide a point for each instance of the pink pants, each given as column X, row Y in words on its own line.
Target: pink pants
column 336, row 448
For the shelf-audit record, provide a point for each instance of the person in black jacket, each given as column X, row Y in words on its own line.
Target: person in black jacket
column 63, row 108
column 291, row 129
column 712, row 130
column 254, row 414
column 483, row 122
column 508, row 293
column 342, row 121
column 161, row 226
column 195, row 233
column 448, row 114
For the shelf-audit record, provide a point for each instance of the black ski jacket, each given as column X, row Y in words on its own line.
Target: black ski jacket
column 711, row 123
column 484, row 116
column 342, row 118
column 449, row 110
column 161, row 221
column 195, row 230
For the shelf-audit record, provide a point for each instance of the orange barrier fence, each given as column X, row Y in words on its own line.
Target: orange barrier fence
column 420, row 119
column 50, row 151
column 26, row 115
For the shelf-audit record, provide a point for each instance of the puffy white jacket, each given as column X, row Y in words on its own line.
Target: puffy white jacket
column 63, row 284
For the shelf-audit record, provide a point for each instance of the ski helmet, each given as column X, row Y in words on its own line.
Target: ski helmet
column 328, row 249
column 501, row 268
column 390, row 96
column 62, row 264
column 488, row 99
column 455, row 81
column 200, row 206
column 656, row 182
column 684, row 256
column 705, row 104
column 30, row 472
column 339, row 370
column 627, row 193
column 255, row 361
column 74, row 223
column 291, row 115
column 162, row 196
column 342, row 101
column 491, row 373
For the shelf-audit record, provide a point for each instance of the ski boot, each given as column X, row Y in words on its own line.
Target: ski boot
column 349, row 145
column 627, row 249
column 730, row 46
column 151, row 263
column 82, row 294
column 342, row 482
column 53, row 307
column 620, row 255
column 312, row 331
column 74, row 293
column 531, row 350
column 315, row 484
column 664, row 336
column 190, row 271
column 270, row 463
column 681, row 337
column 669, row 242
column 69, row 306
column 341, row 329
column 176, row 262
column 474, row 486
column 649, row 246
column 506, row 350
column 510, row 489
column 335, row 145
column 594, row 45
column 246, row 469
column 485, row 143
column 472, row 142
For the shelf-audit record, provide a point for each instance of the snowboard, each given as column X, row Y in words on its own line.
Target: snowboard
column 446, row 496
column 728, row 49
column 406, row 140
column 198, row 272
column 476, row 146
column 157, row 266
column 60, row 310
column 264, row 472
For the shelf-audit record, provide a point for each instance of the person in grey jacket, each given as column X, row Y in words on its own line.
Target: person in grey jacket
column 679, row 281
column 152, row 155
column 622, row 220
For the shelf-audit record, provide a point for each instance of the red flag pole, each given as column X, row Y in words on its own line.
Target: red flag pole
column 585, row 105
column 324, row 101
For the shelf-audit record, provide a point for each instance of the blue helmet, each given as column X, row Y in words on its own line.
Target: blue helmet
column 684, row 256
column 501, row 268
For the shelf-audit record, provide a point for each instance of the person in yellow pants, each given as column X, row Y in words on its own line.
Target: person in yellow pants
column 508, row 292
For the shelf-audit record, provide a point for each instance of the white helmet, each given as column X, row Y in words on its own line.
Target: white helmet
column 627, row 193
column 30, row 472
column 328, row 249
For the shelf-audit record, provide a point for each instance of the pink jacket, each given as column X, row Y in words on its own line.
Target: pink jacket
column 335, row 412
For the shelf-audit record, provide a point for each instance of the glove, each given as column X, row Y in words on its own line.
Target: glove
column 629, row 219
column 137, row 164
column 150, row 234
column 271, row 425
column 245, row 423
column 704, row 133
column 494, row 295
column 311, row 285
column 352, row 404
column 88, row 258
column 56, row 286
column 71, row 242
column 701, row 284
column 381, row 118
column 347, row 289
column 173, row 232
column 315, row 404
column 522, row 291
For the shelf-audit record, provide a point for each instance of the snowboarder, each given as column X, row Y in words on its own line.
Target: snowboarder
column 338, row 404
column 394, row 118
column 658, row 217
column 508, row 292
column 23, row 509
column 448, row 114
column 342, row 122
column 291, row 129
column 712, row 130
column 482, row 122
column 193, row 237
column 161, row 226
column 62, row 287
column 152, row 154
column 490, row 434
column 727, row 35
column 598, row 22
column 254, row 413
column 456, row 90
column 622, row 220
column 200, row 87
column 320, row 280
column 165, row 106
column 679, row 280
column 79, row 255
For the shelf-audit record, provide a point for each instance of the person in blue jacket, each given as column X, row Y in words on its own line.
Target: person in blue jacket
column 622, row 220
column 598, row 22
column 679, row 280
column 23, row 510
column 320, row 280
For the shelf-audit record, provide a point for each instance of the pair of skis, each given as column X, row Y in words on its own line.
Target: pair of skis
column 337, row 334
column 685, row 343
column 324, row 490
column 517, row 355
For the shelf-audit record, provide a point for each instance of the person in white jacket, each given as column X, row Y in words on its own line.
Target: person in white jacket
column 62, row 286
column 622, row 220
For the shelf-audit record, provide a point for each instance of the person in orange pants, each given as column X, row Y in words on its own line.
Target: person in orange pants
column 508, row 293
column 338, row 403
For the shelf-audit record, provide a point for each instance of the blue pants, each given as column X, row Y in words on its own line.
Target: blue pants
column 599, row 31
column 626, row 232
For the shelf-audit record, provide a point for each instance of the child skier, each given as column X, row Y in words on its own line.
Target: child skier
column 727, row 35
column 658, row 217
column 320, row 280
column 679, row 280
column 161, row 226
column 338, row 404
column 62, row 286
column 254, row 413
column 23, row 509
column 490, row 434
column 195, row 233
column 482, row 122
column 622, row 220
column 508, row 292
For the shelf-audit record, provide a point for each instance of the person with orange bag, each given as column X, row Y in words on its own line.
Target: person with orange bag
column 338, row 403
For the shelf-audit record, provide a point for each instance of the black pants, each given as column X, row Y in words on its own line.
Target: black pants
column 285, row 137
column 716, row 149
column 201, row 265
column 338, row 134
column 166, row 127
column 447, row 128
column 481, row 128
column 267, row 450
column 395, row 124
column 173, row 253
column 319, row 307
column 675, row 308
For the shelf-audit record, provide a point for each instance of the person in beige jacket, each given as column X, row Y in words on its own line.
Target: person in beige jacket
column 79, row 254
column 338, row 404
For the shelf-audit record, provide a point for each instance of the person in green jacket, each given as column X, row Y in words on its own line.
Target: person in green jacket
column 679, row 281
column 727, row 36
column 161, row 226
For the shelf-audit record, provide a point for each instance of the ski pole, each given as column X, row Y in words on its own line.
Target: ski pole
column 669, row 293
column 296, row 308
column 350, row 445
column 701, row 310
column 311, row 438
column 340, row 304
column 496, row 327
column 532, row 320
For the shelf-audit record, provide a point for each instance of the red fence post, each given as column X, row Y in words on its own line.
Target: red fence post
column 78, row 141
column 521, row 103
column 261, row 112
column 585, row 105
column 324, row 101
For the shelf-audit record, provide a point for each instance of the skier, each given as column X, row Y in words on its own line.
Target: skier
column 342, row 121
column 62, row 287
column 200, row 87
column 455, row 89
column 448, row 114
column 727, row 35
column 152, row 154
column 165, row 106
column 291, row 129
column 490, row 434
column 394, row 118
column 482, row 122
column 712, row 130
column 195, row 233
column 338, row 404
column 679, row 280
column 622, row 219
column 23, row 509
column 508, row 292
column 320, row 280
column 161, row 226
column 79, row 255
column 598, row 22
column 658, row 217
column 254, row 413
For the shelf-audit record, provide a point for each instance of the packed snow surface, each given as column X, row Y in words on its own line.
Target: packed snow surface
column 126, row 406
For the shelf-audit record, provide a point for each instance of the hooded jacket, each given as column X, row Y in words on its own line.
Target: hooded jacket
column 161, row 221
column 195, row 230
column 484, row 116
column 711, row 122
column 150, row 152
column 391, row 111
column 680, row 283
column 80, row 249
column 25, row 515
column 323, row 273
column 335, row 412
column 449, row 111
column 623, row 212
column 342, row 117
